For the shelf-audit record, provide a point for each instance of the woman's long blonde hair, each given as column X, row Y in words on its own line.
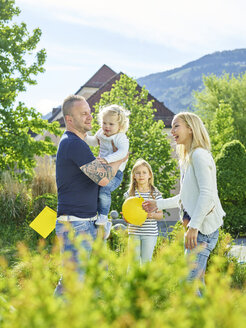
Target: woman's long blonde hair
column 133, row 182
column 200, row 137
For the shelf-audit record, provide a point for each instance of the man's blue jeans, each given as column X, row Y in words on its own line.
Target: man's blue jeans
column 208, row 243
column 144, row 247
column 105, row 193
column 87, row 230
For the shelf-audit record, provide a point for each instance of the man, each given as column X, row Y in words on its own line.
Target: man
column 78, row 176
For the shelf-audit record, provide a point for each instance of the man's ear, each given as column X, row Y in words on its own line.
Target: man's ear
column 68, row 118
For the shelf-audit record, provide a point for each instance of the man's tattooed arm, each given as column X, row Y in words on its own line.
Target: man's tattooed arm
column 100, row 173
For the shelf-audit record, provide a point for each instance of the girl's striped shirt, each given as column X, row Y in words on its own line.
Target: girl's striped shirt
column 149, row 227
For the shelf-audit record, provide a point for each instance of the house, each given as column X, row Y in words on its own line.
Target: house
column 101, row 82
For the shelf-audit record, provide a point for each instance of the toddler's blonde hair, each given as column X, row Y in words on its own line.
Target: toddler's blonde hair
column 120, row 114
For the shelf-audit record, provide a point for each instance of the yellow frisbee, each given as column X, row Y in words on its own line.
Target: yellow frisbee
column 133, row 212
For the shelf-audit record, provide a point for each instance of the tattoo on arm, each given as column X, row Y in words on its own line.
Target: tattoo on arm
column 96, row 171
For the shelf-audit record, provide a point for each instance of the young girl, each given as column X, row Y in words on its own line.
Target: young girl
column 142, row 182
column 114, row 146
column 198, row 199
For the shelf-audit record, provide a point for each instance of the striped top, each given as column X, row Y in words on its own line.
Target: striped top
column 149, row 227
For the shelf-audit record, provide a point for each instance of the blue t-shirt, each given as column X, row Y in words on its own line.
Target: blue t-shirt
column 77, row 194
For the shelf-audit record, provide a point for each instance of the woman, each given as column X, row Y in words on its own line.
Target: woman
column 201, row 210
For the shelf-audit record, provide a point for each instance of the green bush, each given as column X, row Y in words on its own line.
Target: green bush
column 38, row 204
column 231, row 168
column 117, row 292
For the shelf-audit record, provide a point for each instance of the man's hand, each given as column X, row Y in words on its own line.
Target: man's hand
column 102, row 160
column 191, row 238
column 149, row 206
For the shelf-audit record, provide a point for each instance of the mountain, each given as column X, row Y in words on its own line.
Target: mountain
column 174, row 87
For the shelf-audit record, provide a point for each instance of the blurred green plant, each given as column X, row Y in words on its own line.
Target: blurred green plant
column 231, row 177
column 116, row 291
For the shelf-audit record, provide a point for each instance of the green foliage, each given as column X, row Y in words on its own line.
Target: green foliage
column 226, row 90
column 41, row 201
column 116, row 292
column 38, row 204
column 118, row 240
column 17, row 147
column 231, row 168
column 148, row 139
column 221, row 128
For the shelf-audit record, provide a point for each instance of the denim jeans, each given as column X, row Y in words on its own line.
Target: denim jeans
column 208, row 242
column 105, row 193
column 144, row 247
column 86, row 229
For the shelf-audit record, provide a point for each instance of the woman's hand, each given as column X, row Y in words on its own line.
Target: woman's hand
column 149, row 206
column 191, row 238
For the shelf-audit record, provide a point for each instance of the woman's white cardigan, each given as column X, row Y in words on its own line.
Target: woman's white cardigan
column 198, row 193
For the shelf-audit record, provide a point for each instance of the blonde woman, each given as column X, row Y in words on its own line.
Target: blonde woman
column 114, row 146
column 201, row 210
column 145, row 236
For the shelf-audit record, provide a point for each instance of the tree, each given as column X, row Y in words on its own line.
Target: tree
column 147, row 137
column 231, row 168
column 228, row 90
column 17, row 147
column 221, row 128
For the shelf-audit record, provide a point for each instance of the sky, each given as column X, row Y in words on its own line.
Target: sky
column 136, row 37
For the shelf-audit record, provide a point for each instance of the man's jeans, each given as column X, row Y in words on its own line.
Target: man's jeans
column 208, row 242
column 105, row 193
column 86, row 229
column 144, row 247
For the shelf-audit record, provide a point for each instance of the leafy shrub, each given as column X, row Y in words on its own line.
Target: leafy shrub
column 117, row 292
column 118, row 240
column 38, row 204
column 231, row 168
column 41, row 201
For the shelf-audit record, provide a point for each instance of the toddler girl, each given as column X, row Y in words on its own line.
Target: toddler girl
column 114, row 122
column 142, row 183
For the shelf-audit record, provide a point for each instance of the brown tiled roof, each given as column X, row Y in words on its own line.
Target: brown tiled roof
column 162, row 113
column 99, row 78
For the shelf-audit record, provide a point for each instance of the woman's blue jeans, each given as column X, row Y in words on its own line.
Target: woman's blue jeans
column 104, row 201
column 207, row 244
column 144, row 247
column 87, row 230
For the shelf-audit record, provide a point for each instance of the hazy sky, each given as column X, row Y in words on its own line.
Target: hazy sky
column 136, row 37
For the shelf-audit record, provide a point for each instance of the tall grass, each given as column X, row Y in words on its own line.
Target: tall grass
column 44, row 178
column 14, row 200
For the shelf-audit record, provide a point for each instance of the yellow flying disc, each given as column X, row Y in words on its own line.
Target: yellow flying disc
column 133, row 212
column 45, row 222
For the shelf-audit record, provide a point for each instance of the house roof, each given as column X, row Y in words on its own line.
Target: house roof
column 162, row 113
column 107, row 78
column 99, row 78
